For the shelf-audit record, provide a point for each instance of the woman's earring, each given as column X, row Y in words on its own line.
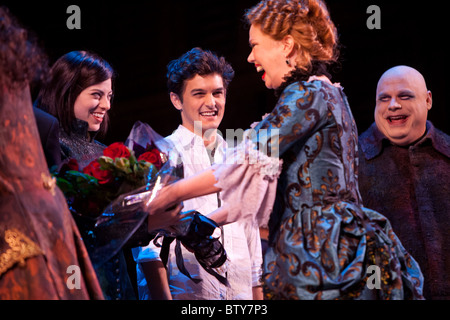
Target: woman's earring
column 288, row 62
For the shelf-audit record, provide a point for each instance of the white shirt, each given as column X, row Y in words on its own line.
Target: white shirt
column 242, row 243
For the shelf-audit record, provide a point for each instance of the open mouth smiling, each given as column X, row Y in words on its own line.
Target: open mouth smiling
column 259, row 68
column 400, row 119
column 98, row 116
column 209, row 113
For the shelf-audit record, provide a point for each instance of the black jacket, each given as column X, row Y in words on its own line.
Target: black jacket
column 48, row 127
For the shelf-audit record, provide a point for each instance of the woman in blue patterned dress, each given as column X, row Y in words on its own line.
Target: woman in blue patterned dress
column 323, row 244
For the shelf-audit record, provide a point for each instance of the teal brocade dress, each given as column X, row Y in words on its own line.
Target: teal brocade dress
column 323, row 242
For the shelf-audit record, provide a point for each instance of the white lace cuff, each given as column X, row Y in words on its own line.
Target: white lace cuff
column 248, row 180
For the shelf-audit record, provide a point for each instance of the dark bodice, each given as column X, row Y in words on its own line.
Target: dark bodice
column 80, row 144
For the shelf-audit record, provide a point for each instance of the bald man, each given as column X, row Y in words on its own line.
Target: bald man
column 404, row 173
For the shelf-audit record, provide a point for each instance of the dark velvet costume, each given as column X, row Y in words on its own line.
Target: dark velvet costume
column 411, row 187
column 80, row 144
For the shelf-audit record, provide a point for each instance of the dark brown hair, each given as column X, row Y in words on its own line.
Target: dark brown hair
column 69, row 76
column 196, row 61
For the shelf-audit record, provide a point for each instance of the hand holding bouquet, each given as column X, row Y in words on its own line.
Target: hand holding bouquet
column 89, row 190
column 97, row 195
column 110, row 196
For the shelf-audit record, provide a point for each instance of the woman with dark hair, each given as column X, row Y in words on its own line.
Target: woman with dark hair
column 79, row 94
column 323, row 243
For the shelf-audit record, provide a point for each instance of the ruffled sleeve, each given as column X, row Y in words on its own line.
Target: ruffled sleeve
column 248, row 179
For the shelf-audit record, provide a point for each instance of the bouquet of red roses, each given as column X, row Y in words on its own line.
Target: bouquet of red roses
column 108, row 198
column 119, row 170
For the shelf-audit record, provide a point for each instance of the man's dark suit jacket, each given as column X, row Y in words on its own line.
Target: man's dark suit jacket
column 48, row 127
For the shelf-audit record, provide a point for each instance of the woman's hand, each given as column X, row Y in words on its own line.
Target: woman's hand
column 165, row 199
column 164, row 219
column 165, row 204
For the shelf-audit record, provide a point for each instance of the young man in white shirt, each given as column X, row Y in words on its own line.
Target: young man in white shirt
column 197, row 84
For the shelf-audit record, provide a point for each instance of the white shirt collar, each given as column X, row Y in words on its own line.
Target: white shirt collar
column 186, row 138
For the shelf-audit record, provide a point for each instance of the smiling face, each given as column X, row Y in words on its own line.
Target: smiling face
column 203, row 100
column 402, row 105
column 92, row 104
column 269, row 56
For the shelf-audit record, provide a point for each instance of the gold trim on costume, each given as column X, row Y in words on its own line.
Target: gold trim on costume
column 21, row 248
column 49, row 183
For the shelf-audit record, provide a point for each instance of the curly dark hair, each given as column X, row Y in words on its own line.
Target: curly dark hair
column 22, row 61
column 196, row 61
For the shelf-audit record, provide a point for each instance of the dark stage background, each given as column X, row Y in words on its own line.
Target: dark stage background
column 140, row 38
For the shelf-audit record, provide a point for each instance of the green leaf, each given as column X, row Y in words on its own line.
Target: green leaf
column 123, row 164
column 106, row 163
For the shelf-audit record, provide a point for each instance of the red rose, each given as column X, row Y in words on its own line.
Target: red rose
column 117, row 150
column 93, row 169
column 152, row 156
column 73, row 165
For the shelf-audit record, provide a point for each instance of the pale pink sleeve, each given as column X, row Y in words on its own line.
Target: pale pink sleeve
column 248, row 179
